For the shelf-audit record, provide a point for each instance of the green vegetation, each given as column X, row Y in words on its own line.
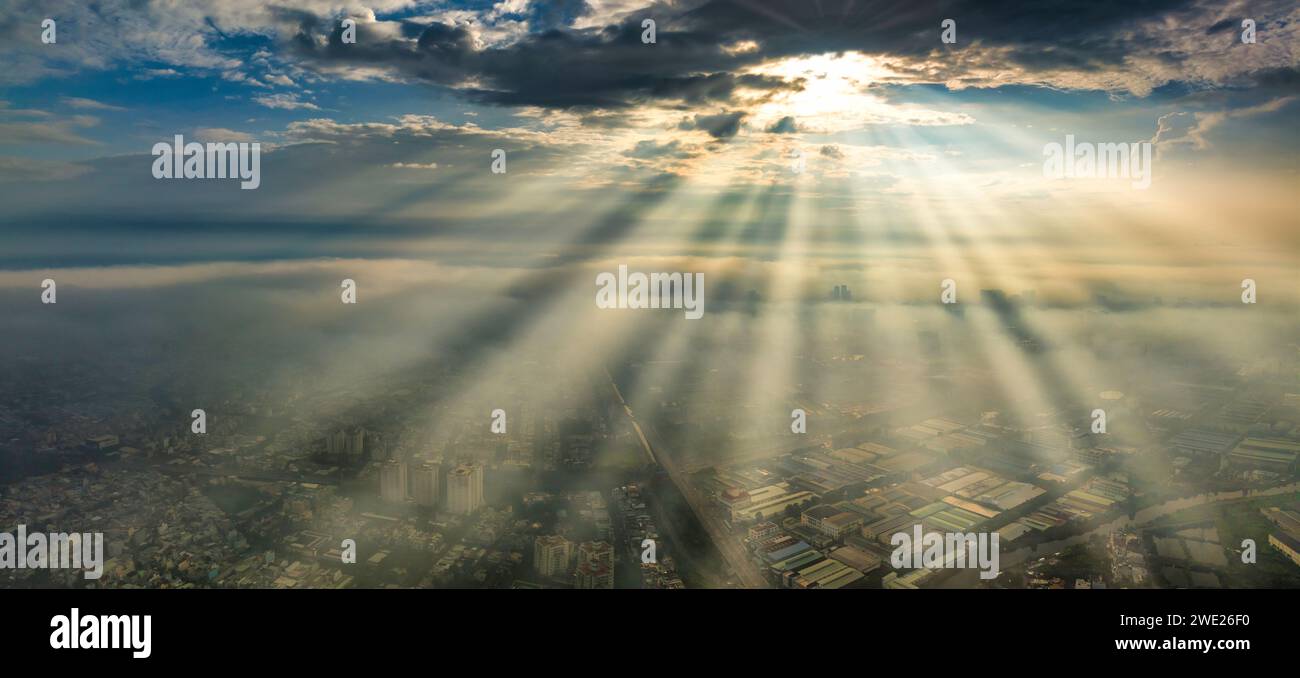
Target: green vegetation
column 1239, row 520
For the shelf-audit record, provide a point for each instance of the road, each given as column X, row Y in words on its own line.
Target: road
column 645, row 444
column 732, row 550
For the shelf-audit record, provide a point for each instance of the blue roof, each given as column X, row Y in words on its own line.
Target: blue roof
column 786, row 552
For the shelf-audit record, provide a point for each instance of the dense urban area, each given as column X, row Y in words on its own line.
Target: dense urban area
column 649, row 474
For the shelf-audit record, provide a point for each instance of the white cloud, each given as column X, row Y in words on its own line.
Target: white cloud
column 47, row 129
column 91, row 104
column 1192, row 129
column 31, row 169
column 221, row 134
column 288, row 102
column 151, row 73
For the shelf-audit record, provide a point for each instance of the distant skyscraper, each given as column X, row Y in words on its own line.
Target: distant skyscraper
column 930, row 342
column 425, row 484
column 465, row 488
column 998, row 299
column 346, row 447
column 392, row 481
column 551, row 555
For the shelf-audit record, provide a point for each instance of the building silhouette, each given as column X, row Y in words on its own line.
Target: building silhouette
column 392, row 481
column 465, row 488
column 426, row 481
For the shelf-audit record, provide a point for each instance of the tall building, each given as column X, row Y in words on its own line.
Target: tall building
column 465, row 488
column 392, row 481
column 593, row 575
column 346, row 447
column 595, row 566
column 551, row 555
column 596, row 551
column 425, row 484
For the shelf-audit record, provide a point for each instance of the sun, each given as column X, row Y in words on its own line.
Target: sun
column 832, row 93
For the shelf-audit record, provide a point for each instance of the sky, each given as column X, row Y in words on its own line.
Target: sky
column 779, row 148
column 912, row 149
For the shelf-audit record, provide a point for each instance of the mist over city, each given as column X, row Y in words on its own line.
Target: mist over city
column 391, row 294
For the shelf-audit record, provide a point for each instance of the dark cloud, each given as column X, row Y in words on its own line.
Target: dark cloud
column 1280, row 79
column 649, row 149
column 715, row 87
column 719, row 125
column 609, row 67
column 555, row 13
column 785, row 125
column 1221, row 26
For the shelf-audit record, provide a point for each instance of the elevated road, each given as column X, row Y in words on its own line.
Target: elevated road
column 731, row 548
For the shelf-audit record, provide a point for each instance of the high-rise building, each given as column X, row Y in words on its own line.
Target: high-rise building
column 551, row 555
column 346, row 446
column 425, row 480
column 392, row 481
column 465, row 488
column 593, row 575
column 596, row 551
column 595, row 566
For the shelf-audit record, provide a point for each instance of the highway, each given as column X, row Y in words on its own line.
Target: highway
column 731, row 548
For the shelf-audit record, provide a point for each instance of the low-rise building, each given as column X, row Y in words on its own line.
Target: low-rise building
column 832, row 521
